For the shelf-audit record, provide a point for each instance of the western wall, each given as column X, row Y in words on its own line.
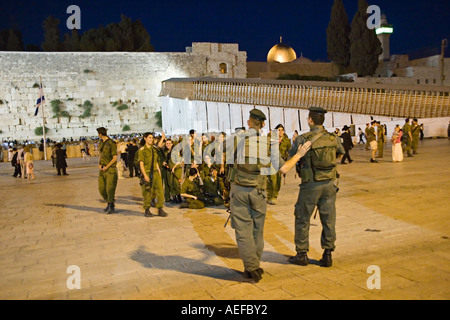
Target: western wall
column 87, row 90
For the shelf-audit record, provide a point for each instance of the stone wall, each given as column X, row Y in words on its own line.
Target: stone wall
column 122, row 87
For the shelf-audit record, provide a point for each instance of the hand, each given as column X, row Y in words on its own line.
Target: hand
column 303, row 148
column 146, row 178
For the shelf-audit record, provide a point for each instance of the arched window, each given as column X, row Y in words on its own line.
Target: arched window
column 223, row 68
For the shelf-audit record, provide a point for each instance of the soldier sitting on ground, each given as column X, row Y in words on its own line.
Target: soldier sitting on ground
column 192, row 191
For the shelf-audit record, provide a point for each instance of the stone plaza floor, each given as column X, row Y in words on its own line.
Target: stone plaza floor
column 394, row 216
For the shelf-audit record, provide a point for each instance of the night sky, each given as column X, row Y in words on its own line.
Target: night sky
column 255, row 25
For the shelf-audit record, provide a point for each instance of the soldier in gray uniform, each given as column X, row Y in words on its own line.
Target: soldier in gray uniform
column 317, row 170
column 248, row 196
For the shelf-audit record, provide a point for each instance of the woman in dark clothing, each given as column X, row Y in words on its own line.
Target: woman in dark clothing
column 347, row 143
column 61, row 163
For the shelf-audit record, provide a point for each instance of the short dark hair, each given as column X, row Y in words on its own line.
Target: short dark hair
column 317, row 118
column 102, row 131
column 147, row 134
column 279, row 126
column 192, row 172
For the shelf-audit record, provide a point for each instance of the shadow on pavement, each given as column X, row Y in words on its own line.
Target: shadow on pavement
column 182, row 264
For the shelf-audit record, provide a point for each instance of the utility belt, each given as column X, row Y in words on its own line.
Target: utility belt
column 246, row 179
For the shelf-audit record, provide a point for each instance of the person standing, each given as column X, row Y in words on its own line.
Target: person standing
column 347, row 144
column 317, row 151
column 15, row 163
column 107, row 165
column 131, row 150
column 372, row 140
column 274, row 181
column 248, row 195
column 29, row 165
column 396, row 139
column 361, row 136
column 152, row 181
column 415, row 135
column 366, row 132
column 381, row 139
column 60, row 156
column 407, row 138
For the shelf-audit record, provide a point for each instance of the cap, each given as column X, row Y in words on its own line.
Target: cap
column 257, row 114
column 317, row 110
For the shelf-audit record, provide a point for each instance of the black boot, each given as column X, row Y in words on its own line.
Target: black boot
column 254, row 275
column 178, row 197
column 162, row 213
column 107, row 208
column 148, row 213
column 301, row 259
column 111, row 208
column 326, row 260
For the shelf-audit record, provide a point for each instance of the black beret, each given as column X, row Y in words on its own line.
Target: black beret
column 258, row 115
column 317, row 110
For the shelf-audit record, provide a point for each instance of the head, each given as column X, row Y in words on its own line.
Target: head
column 316, row 116
column 280, row 129
column 148, row 138
column 193, row 173
column 257, row 119
column 169, row 144
column 102, row 132
column 407, row 120
column 213, row 172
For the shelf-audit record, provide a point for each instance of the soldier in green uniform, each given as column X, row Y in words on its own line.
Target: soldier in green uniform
column 151, row 174
column 407, row 139
column 191, row 190
column 415, row 134
column 381, row 139
column 274, row 181
column 248, row 179
column 173, row 172
column 366, row 131
column 107, row 178
column 316, row 150
column 213, row 186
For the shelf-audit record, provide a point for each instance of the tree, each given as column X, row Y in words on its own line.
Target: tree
column 14, row 41
column 72, row 42
column 52, row 41
column 338, row 31
column 365, row 48
column 141, row 38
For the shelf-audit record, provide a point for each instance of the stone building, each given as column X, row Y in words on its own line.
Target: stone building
column 86, row 90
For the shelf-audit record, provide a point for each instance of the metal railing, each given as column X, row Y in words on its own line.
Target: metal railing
column 373, row 99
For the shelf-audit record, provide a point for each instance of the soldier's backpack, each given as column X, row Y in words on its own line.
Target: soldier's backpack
column 323, row 156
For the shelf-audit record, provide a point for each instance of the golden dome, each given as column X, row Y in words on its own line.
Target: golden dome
column 281, row 53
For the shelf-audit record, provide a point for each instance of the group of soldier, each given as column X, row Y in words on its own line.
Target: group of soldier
column 376, row 138
column 246, row 182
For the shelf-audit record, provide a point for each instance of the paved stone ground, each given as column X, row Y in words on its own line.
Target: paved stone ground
column 391, row 215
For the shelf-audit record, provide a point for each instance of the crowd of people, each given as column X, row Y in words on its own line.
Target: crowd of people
column 159, row 163
column 403, row 139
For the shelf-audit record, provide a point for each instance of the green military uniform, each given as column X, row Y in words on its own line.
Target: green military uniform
column 406, row 141
column 381, row 139
column 415, row 132
column 248, row 199
column 193, row 188
column 107, row 180
column 213, row 189
column 274, row 181
column 317, row 188
column 366, row 131
column 149, row 156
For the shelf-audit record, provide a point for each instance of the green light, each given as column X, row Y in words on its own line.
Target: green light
column 384, row 30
